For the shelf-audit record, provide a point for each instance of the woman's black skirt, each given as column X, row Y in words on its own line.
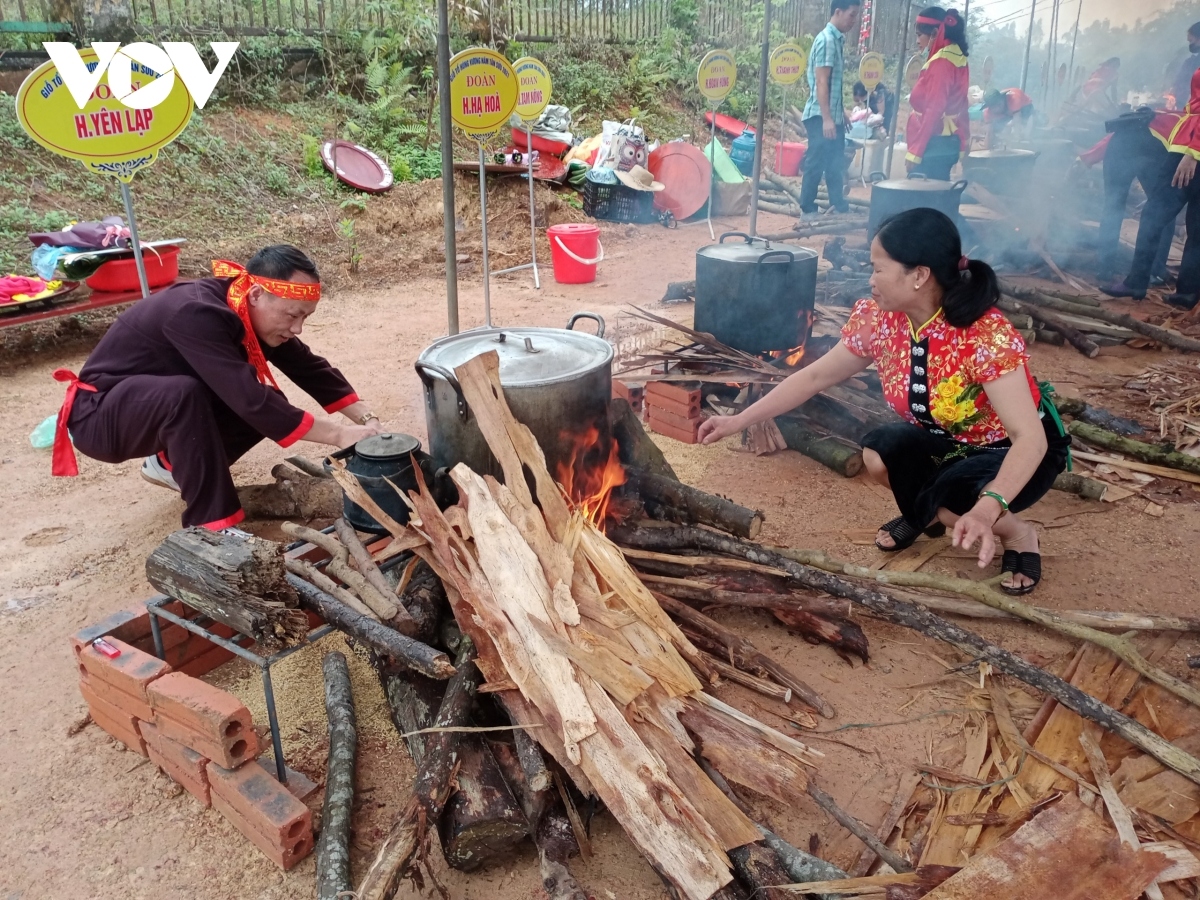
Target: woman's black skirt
column 928, row 473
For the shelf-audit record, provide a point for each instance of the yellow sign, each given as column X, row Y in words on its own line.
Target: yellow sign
column 912, row 71
column 107, row 136
column 870, row 70
column 533, row 82
column 483, row 92
column 787, row 63
column 717, row 75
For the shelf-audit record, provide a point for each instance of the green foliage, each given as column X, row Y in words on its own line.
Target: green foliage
column 17, row 219
column 345, row 230
column 313, row 167
column 411, row 163
column 278, row 180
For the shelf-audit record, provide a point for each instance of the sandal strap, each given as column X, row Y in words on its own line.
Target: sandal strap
column 1010, row 562
column 902, row 532
column 1030, row 565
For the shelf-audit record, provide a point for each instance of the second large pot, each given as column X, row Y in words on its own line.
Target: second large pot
column 754, row 297
column 1008, row 173
column 902, row 194
column 557, row 381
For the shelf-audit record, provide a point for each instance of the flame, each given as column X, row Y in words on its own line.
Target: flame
column 791, row 358
column 591, row 472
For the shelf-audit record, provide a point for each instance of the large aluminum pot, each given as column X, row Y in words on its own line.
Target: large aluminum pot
column 557, row 381
column 1007, row 173
column 902, row 194
column 754, row 297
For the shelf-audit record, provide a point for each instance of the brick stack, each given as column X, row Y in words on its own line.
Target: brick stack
column 630, row 392
column 673, row 409
column 199, row 735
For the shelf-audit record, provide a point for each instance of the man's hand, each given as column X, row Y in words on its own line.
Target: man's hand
column 352, row 434
column 909, row 165
column 718, row 427
column 374, row 426
column 976, row 527
column 1184, row 172
column 828, row 127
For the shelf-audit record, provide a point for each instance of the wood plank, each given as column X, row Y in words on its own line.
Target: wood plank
column 909, row 782
column 1135, row 466
column 945, row 844
column 1066, row 846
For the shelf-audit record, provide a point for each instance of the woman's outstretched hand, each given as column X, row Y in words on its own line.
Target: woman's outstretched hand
column 976, row 527
column 718, row 427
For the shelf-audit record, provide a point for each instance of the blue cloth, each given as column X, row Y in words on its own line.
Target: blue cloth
column 45, row 259
column 828, row 49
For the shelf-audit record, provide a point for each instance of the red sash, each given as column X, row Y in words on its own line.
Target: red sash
column 64, row 462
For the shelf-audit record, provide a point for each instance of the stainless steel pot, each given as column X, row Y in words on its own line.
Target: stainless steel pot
column 557, row 381
column 1008, row 173
column 901, row 194
column 755, row 297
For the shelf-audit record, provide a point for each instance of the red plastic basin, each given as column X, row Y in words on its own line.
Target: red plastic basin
column 162, row 267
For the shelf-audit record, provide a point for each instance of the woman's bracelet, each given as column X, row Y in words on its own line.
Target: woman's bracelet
column 998, row 498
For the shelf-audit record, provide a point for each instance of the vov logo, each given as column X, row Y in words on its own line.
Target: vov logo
column 140, row 75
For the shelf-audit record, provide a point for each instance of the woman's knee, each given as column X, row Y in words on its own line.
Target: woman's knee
column 875, row 466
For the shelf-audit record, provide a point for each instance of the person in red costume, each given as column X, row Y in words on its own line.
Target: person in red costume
column 1177, row 188
column 939, row 128
column 1011, row 106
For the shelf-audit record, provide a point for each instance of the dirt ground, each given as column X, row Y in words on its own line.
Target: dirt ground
column 83, row 818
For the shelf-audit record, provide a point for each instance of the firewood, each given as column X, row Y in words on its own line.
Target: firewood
column 918, row 619
column 758, row 685
column 1071, row 335
column 759, row 869
column 922, row 880
column 859, row 829
column 237, row 581
column 679, row 290
column 339, row 566
column 424, row 596
column 1147, row 453
column 386, row 641
column 314, row 576
column 744, row 654
column 360, row 558
column 826, row 449
column 679, row 502
column 635, row 448
column 333, row 844
column 1095, row 415
column 1074, row 483
column 307, row 466
column 293, row 495
column 481, row 822
column 407, row 841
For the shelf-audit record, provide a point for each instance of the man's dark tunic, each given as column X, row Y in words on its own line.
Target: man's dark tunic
column 172, row 377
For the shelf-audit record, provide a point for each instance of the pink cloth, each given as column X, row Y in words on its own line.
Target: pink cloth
column 10, row 285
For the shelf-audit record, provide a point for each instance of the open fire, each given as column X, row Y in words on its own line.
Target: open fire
column 791, row 358
column 591, row 472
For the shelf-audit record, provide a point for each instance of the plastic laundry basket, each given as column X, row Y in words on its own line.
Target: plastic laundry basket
column 576, row 251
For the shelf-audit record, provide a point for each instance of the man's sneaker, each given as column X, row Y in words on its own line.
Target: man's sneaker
column 156, row 473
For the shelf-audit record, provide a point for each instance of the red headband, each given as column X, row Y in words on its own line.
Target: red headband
column 928, row 20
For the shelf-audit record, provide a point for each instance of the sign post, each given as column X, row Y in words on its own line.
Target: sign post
column 108, row 136
column 483, row 95
column 533, row 82
column 870, row 70
column 787, row 66
column 716, row 78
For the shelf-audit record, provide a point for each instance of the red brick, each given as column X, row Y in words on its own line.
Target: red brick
column 185, row 766
column 181, row 646
column 685, row 394
column 119, row 724
column 131, row 625
column 267, row 805
column 206, row 662
column 284, row 856
column 115, row 697
column 679, row 434
column 629, row 391
column 130, row 672
column 675, row 420
column 211, row 721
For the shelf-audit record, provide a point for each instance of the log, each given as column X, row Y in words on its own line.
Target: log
column 1147, row 453
column 293, row 495
column 1135, row 466
column 860, row 830
column 1164, row 336
column 678, row 291
column 238, row 581
column 635, row 449
column 482, row 822
column 1070, row 334
column 825, row 449
column 314, row 576
column 915, row 618
column 758, row 685
column 745, row 655
column 338, row 566
column 759, row 870
column 1094, row 415
column 407, row 840
column 1074, row 483
column 779, row 208
column 678, row 502
column 307, row 466
column 360, row 558
column 333, row 844
column 425, row 599
column 400, row 649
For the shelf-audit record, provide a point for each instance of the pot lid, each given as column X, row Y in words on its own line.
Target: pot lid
column 1002, row 154
column 742, row 252
column 925, row 185
column 528, row 356
column 387, row 447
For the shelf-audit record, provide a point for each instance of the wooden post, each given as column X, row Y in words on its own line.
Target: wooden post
column 333, row 845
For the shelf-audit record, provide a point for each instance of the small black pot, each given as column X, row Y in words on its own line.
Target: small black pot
column 380, row 462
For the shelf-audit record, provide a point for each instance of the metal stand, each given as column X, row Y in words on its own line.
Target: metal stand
column 156, row 608
column 712, row 174
column 487, row 275
column 537, row 284
column 133, row 238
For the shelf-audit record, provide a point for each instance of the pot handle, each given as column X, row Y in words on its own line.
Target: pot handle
column 918, row 176
column 423, row 369
column 791, row 257
column 598, row 319
column 741, row 234
column 960, row 185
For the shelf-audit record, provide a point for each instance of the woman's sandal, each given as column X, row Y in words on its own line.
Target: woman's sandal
column 1029, row 564
column 902, row 533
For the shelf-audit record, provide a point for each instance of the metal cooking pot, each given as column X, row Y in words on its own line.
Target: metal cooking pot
column 901, row 194
column 556, row 381
column 1056, row 154
column 1007, row 173
column 755, row 297
column 376, row 461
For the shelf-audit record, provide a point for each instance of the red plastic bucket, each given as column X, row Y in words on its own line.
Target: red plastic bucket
column 162, row 267
column 575, row 249
column 788, row 157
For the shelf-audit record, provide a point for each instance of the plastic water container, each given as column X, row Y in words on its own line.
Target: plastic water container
column 741, row 151
column 575, row 250
column 789, row 156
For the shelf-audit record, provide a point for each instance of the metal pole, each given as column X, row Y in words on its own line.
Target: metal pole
column 1074, row 39
column 1051, row 37
column 487, row 275
column 760, row 125
column 899, row 84
column 1028, row 45
column 446, row 136
column 133, row 239
column 712, row 174
column 537, row 284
